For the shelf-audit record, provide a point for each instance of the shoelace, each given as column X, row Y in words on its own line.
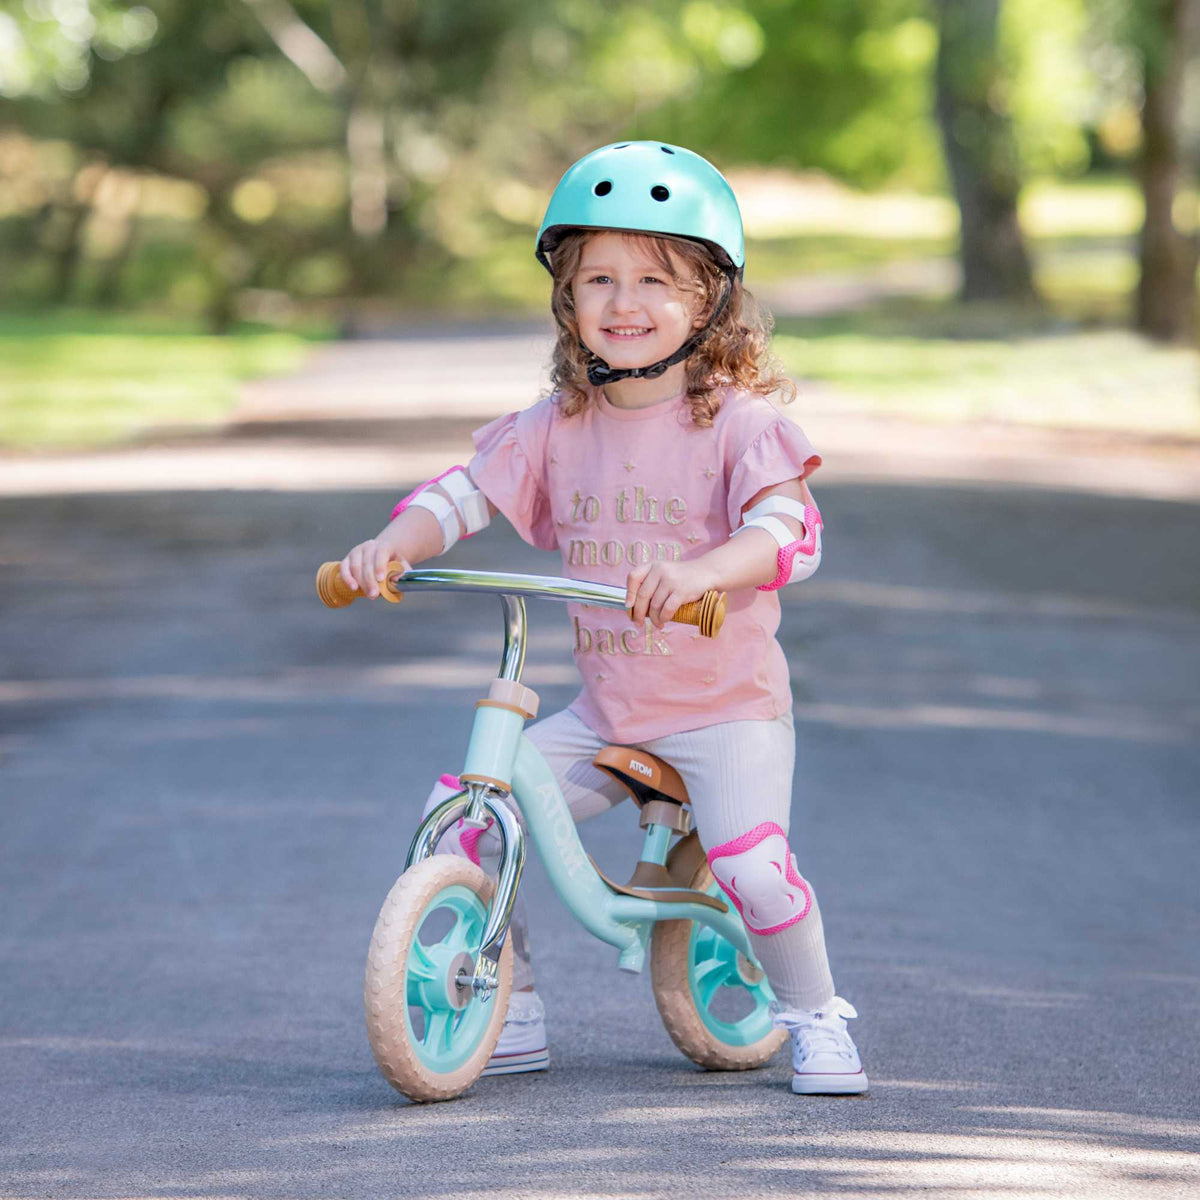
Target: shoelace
column 823, row 1030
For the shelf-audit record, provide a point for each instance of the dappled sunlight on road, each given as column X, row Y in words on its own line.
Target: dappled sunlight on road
column 1075, row 1156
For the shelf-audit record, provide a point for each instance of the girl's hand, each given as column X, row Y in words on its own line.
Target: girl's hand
column 365, row 566
column 657, row 590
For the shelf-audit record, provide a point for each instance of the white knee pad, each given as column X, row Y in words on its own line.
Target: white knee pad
column 757, row 871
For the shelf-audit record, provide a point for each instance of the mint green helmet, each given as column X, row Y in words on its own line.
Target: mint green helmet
column 648, row 187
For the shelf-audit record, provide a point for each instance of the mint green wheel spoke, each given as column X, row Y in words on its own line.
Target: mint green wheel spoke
column 437, row 1031
column 450, row 1035
column 420, row 965
column 467, row 929
column 709, row 976
column 713, row 964
column 421, row 970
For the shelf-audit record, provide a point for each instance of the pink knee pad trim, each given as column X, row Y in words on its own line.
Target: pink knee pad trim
column 787, row 555
column 783, row 864
column 468, row 839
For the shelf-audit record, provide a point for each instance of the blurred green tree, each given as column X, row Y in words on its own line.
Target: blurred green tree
column 809, row 84
column 981, row 151
column 1166, row 37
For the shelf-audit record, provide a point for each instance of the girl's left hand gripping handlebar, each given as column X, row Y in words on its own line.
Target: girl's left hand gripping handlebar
column 707, row 613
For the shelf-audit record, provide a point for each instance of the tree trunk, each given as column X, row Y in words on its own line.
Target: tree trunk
column 980, row 152
column 69, row 252
column 1166, row 294
column 108, row 290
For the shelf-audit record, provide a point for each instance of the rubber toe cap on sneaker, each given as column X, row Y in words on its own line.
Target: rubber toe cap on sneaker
column 830, row 1083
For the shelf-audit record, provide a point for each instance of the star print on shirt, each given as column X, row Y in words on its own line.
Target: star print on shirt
column 629, row 466
column 693, row 537
column 709, row 472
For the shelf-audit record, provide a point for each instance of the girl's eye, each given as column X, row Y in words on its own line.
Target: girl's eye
column 608, row 279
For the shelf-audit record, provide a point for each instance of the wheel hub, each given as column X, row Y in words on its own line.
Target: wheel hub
column 748, row 973
column 458, row 994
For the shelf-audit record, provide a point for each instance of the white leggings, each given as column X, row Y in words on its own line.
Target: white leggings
column 738, row 775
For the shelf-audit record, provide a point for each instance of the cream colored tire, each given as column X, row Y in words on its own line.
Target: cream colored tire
column 707, row 1041
column 423, row 1072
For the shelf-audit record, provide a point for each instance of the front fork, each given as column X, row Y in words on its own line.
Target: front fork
column 475, row 804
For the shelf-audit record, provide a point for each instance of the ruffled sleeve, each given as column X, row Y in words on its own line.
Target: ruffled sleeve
column 779, row 453
column 509, row 469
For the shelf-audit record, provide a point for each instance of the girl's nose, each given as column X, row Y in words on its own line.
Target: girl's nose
column 624, row 299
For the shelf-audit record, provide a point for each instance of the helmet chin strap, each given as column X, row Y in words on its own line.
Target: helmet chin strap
column 599, row 372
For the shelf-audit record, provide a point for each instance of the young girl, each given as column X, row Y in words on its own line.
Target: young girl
column 659, row 464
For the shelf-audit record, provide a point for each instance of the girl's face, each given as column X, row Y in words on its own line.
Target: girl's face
column 629, row 310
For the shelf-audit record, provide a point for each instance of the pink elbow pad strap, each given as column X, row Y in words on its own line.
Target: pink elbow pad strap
column 417, row 491
column 459, row 507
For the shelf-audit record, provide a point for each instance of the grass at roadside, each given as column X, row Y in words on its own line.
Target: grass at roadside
column 84, row 379
column 936, row 361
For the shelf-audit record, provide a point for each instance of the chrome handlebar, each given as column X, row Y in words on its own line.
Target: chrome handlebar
column 544, row 587
column 512, row 590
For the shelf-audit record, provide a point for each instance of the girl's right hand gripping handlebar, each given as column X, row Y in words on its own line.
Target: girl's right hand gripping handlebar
column 707, row 613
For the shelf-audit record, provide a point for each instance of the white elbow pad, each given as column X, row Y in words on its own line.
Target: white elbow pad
column 463, row 514
column 797, row 559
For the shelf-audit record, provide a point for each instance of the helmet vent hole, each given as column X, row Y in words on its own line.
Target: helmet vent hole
column 603, row 187
column 622, row 146
column 666, row 149
column 660, row 193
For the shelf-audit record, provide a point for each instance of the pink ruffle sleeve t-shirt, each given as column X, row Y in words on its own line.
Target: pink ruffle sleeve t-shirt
column 612, row 488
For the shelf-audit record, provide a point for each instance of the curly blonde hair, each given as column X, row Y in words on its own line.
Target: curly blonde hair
column 733, row 353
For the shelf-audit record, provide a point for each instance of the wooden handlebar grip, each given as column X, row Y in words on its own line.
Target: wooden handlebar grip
column 707, row 613
column 336, row 593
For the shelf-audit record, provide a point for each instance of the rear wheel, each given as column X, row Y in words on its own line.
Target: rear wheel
column 430, row 1037
column 712, row 999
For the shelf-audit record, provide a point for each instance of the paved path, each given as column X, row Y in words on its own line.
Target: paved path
column 209, row 781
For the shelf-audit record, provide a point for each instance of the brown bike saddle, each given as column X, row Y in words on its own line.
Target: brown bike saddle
column 659, row 792
column 645, row 777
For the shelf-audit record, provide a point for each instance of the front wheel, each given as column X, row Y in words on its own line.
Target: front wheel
column 713, row 1001
column 431, row 1038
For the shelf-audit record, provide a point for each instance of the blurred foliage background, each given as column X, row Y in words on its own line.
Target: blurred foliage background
column 283, row 169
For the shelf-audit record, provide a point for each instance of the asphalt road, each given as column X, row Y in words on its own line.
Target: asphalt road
column 209, row 781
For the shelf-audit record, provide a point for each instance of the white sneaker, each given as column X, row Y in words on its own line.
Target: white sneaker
column 824, row 1057
column 522, row 1044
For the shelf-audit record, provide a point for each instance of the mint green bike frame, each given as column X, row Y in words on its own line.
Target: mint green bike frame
column 500, row 751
